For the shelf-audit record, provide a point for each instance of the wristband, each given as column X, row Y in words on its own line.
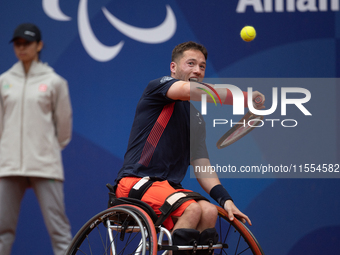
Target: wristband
column 220, row 194
column 229, row 98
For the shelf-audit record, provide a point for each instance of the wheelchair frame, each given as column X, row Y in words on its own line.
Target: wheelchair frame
column 127, row 221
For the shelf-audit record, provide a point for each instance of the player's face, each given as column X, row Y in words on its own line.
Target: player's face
column 26, row 51
column 191, row 65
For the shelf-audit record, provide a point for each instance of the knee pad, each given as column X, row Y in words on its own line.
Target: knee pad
column 185, row 236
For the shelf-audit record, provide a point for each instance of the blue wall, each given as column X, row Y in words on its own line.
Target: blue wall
column 289, row 215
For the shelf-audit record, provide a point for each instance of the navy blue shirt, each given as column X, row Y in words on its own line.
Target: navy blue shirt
column 159, row 143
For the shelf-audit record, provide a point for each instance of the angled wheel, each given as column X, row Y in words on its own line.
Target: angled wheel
column 236, row 236
column 119, row 230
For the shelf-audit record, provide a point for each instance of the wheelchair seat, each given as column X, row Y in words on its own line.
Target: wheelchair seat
column 113, row 200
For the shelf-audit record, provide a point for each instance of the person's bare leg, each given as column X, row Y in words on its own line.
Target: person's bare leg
column 190, row 217
column 208, row 216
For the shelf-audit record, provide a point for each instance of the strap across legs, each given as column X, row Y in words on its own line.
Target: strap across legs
column 171, row 203
column 141, row 187
column 175, row 200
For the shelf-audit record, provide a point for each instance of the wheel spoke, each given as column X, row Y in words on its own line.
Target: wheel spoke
column 133, row 229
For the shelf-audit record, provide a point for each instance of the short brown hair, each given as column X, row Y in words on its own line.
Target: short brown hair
column 180, row 48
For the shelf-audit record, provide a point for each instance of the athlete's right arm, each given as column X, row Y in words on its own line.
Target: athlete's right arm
column 185, row 91
column 180, row 90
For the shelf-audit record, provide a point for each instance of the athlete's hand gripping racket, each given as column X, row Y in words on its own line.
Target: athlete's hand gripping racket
column 248, row 122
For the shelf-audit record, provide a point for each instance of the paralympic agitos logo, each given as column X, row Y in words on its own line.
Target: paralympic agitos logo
column 96, row 49
column 238, row 103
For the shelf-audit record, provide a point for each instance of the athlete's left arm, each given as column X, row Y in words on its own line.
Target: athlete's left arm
column 208, row 180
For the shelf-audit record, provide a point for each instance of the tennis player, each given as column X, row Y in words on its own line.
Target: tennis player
column 159, row 147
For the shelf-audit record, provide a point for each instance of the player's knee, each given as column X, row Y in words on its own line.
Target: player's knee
column 210, row 209
column 209, row 212
column 194, row 210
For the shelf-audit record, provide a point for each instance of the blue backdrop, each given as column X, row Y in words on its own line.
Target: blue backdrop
column 109, row 50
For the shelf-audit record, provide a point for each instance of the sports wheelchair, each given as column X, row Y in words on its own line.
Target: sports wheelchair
column 128, row 227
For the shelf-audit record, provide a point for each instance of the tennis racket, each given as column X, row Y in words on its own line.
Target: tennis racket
column 248, row 122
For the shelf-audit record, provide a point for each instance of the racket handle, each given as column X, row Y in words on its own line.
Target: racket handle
column 258, row 100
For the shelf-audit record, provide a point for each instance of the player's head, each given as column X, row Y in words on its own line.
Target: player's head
column 188, row 60
column 27, row 42
column 178, row 51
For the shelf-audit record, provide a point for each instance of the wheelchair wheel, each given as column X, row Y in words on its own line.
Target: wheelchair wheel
column 236, row 235
column 119, row 230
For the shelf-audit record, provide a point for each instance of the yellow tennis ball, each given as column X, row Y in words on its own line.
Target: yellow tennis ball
column 248, row 33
